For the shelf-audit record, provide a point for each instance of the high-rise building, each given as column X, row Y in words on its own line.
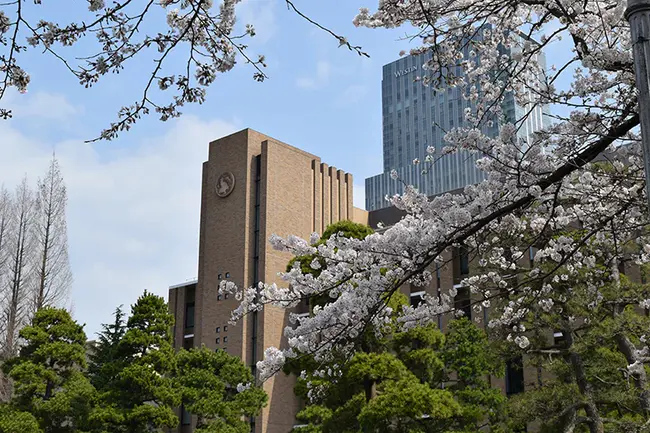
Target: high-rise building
column 415, row 117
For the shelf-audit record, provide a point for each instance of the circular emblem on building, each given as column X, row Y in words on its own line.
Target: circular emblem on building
column 225, row 184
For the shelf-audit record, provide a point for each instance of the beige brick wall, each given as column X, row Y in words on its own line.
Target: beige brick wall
column 290, row 178
column 298, row 195
column 225, row 240
column 359, row 215
column 286, row 209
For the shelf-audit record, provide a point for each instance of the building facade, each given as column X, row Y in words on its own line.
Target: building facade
column 415, row 117
column 254, row 186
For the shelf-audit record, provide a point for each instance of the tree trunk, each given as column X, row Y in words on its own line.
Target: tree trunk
column 639, row 375
column 40, row 296
column 595, row 422
column 627, row 348
column 568, row 421
column 370, row 388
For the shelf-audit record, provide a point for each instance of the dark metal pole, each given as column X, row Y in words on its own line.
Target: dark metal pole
column 638, row 15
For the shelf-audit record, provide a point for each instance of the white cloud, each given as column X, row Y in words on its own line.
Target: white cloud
column 133, row 211
column 44, row 106
column 321, row 78
column 352, row 94
column 359, row 196
column 261, row 15
column 40, row 106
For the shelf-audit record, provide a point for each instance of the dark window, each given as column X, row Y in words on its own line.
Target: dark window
column 186, row 417
column 218, row 329
column 464, row 261
column 462, row 301
column 218, row 297
column 558, row 338
column 218, row 340
column 227, row 274
column 514, row 376
column 225, row 339
column 225, row 328
column 416, row 300
column 188, row 343
column 189, row 315
column 219, row 276
column 225, row 296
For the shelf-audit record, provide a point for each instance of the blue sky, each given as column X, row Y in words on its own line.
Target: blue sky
column 134, row 202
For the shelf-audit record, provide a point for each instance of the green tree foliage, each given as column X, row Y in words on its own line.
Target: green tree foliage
column 468, row 359
column 587, row 370
column 134, row 382
column 414, row 381
column 104, row 366
column 138, row 394
column 50, row 387
column 14, row 421
column 217, row 388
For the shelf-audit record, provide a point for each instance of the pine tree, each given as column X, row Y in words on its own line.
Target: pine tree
column 419, row 381
column 218, row 388
column 140, row 395
column 48, row 374
column 104, row 365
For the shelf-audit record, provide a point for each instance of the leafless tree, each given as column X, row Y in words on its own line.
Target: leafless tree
column 16, row 227
column 53, row 275
column 5, row 205
column 20, row 266
column 5, row 218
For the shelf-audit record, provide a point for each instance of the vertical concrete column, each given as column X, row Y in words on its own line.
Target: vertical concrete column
column 326, row 200
column 334, row 195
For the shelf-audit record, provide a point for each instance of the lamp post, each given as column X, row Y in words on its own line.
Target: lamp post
column 638, row 15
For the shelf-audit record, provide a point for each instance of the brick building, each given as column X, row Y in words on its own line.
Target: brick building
column 255, row 186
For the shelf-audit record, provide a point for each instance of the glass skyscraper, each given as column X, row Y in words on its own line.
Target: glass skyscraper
column 415, row 117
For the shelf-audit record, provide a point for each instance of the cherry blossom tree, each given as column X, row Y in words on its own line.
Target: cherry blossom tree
column 582, row 174
column 204, row 31
column 192, row 41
